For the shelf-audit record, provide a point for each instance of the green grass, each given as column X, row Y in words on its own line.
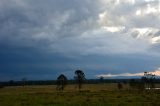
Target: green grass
column 91, row 95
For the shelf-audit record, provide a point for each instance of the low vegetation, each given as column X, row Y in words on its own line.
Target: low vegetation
column 90, row 95
column 130, row 92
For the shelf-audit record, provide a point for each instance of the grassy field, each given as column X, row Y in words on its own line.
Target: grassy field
column 91, row 95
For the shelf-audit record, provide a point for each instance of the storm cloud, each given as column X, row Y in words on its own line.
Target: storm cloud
column 42, row 39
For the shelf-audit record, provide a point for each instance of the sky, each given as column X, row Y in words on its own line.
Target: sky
column 41, row 39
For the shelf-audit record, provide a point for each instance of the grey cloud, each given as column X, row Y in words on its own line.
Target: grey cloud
column 70, row 30
column 42, row 23
column 48, row 24
column 45, row 21
column 157, row 33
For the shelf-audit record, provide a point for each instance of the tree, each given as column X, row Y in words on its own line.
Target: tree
column 101, row 79
column 148, row 79
column 120, row 86
column 79, row 77
column 61, row 82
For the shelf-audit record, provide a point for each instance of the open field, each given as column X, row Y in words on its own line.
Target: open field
column 91, row 95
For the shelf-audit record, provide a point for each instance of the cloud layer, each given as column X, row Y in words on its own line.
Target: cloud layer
column 86, row 34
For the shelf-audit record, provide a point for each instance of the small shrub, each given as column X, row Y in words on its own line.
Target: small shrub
column 120, row 86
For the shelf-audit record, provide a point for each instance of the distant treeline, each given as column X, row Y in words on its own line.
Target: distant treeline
column 54, row 82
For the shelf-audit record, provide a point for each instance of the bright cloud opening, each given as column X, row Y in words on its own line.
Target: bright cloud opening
column 151, row 9
column 156, row 72
column 155, row 40
column 114, row 29
column 138, row 12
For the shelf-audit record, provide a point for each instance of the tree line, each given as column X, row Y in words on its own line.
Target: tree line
column 147, row 81
column 62, row 80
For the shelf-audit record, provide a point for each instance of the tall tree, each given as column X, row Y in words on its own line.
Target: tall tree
column 61, row 82
column 79, row 77
column 148, row 79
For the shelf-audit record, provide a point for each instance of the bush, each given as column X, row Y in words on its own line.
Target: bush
column 120, row 86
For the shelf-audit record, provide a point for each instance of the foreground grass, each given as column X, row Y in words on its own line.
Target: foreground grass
column 91, row 95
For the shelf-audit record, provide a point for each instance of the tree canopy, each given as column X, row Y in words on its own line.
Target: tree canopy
column 79, row 77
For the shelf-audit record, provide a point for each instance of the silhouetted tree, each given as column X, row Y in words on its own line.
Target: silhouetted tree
column 101, row 79
column 148, row 79
column 79, row 77
column 61, row 82
column 120, row 86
